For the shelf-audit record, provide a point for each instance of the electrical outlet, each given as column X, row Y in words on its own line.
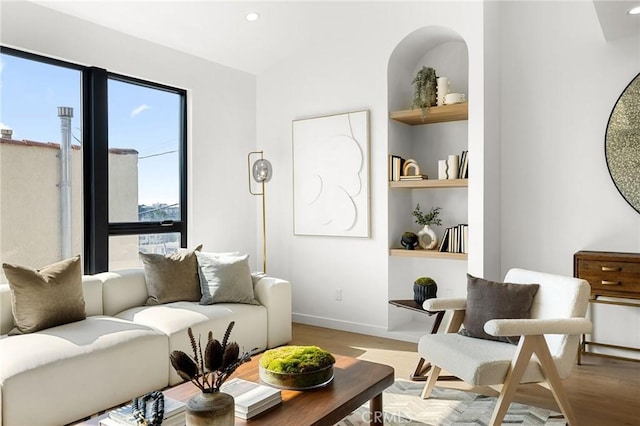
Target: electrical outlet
column 339, row 294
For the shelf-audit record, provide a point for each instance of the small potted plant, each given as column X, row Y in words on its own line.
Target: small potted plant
column 426, row 220
column 425, row 90
column 424, row 288
column 409, row 240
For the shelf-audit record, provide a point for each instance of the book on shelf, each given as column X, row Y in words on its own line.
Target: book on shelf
column 464, row 165
column 251, row 398
column 444, row 243
column 396, row 163
column 173, row 413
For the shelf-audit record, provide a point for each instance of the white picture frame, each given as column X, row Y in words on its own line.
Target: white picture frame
column 331, row 175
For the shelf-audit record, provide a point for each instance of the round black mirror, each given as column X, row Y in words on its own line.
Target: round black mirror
column 622, row 144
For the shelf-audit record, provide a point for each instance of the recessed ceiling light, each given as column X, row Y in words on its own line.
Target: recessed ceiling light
column 634, row 11
column 252, row 16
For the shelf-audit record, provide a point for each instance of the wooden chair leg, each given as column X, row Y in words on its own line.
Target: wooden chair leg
column 512, row 381
column 551, row 373
column 456, row 321
column 431, row 381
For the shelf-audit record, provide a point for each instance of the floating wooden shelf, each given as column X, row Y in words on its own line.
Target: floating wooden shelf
column 437, row 114
column 430, row 183
column 427, row 253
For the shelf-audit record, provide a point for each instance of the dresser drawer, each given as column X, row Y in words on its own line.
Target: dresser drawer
column 610, row 278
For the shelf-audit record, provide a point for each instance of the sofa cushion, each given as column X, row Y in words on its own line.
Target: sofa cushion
column 122, row 290
column 100, row 361
column 487, row 300
column 170, row 278
column 225, row 279
column 47, row 297
column 173, row 319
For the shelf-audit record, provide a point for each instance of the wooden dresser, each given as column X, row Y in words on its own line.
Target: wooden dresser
column 610, row 274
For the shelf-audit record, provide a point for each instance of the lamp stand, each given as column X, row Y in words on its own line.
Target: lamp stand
column 261, row 173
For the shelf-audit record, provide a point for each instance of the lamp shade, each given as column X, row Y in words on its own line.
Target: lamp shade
column 262, row 170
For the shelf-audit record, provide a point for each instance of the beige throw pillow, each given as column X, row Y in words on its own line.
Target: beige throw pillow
column 47, row 297
column 171, row 278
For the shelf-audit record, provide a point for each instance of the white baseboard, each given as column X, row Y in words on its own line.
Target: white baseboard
column 352, row 327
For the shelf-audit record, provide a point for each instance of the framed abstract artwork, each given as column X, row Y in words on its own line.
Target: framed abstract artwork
column 331, row 175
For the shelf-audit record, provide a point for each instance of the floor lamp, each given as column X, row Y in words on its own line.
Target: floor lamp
column 261, row 171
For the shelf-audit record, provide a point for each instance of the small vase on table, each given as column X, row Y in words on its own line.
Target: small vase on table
column 211, row 409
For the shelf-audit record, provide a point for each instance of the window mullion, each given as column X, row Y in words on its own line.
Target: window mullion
column 96, row 169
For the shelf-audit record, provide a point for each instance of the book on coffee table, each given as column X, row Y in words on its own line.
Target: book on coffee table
column 251, row 398
column 173, row 413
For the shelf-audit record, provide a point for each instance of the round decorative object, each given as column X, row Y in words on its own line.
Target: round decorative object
column 298, row 381
column 211, row 409
column 409, row 240
column 410, row 165
column 296, row 367
column 427, row 238
column 622, row 144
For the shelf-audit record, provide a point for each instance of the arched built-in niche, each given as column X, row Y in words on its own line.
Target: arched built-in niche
column 444, row 50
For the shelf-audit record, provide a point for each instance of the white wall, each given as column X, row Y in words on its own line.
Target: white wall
column 560, row 80
column 346, row 71
column 221, row 113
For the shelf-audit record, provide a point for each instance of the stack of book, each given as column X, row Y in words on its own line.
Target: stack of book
column 174, row 414
column 413, row 177
column 455, row 239
column 251, row 398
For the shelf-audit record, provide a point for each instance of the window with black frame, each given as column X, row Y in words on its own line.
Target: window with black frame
column 146, row 146
column 92, row 162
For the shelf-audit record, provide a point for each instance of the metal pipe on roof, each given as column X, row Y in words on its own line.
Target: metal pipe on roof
column 65, row 114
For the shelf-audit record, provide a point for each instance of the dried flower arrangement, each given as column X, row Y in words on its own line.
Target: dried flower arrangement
column 210, row 371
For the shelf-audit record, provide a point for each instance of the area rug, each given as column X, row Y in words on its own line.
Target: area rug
column 403, row 405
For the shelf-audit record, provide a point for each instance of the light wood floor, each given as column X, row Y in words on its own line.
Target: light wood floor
column 602, row 392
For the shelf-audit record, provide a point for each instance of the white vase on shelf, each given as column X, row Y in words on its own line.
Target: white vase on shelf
column 452, row 166
column 427, row 238
column 442, row 89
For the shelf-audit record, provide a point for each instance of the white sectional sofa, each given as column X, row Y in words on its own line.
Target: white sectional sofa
column 121, row 350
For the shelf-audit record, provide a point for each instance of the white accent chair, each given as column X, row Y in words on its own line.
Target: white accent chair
column 545, row 354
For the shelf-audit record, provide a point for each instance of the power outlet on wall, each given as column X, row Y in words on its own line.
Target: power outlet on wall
column 339, row 294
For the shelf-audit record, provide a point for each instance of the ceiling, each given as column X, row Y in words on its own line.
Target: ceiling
column 615, row 21
column 214, row 30
column 218, row 31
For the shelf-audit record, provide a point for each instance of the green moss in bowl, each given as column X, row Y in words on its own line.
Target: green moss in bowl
column 297, row 367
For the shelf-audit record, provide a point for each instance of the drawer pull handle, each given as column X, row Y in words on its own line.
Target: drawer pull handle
column 610, row 269
column 611, row 282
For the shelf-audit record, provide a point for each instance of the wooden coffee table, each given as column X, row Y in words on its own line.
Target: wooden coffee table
column 354, row 383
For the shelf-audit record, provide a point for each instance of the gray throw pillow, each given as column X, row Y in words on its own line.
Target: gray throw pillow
column 225, row 279
column 171, row 278
column 47, row 297
column 487, row 300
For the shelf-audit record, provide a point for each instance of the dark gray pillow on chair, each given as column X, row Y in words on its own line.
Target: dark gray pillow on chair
column 487, row 300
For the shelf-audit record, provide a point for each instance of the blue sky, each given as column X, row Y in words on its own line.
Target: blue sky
column 140, row 118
